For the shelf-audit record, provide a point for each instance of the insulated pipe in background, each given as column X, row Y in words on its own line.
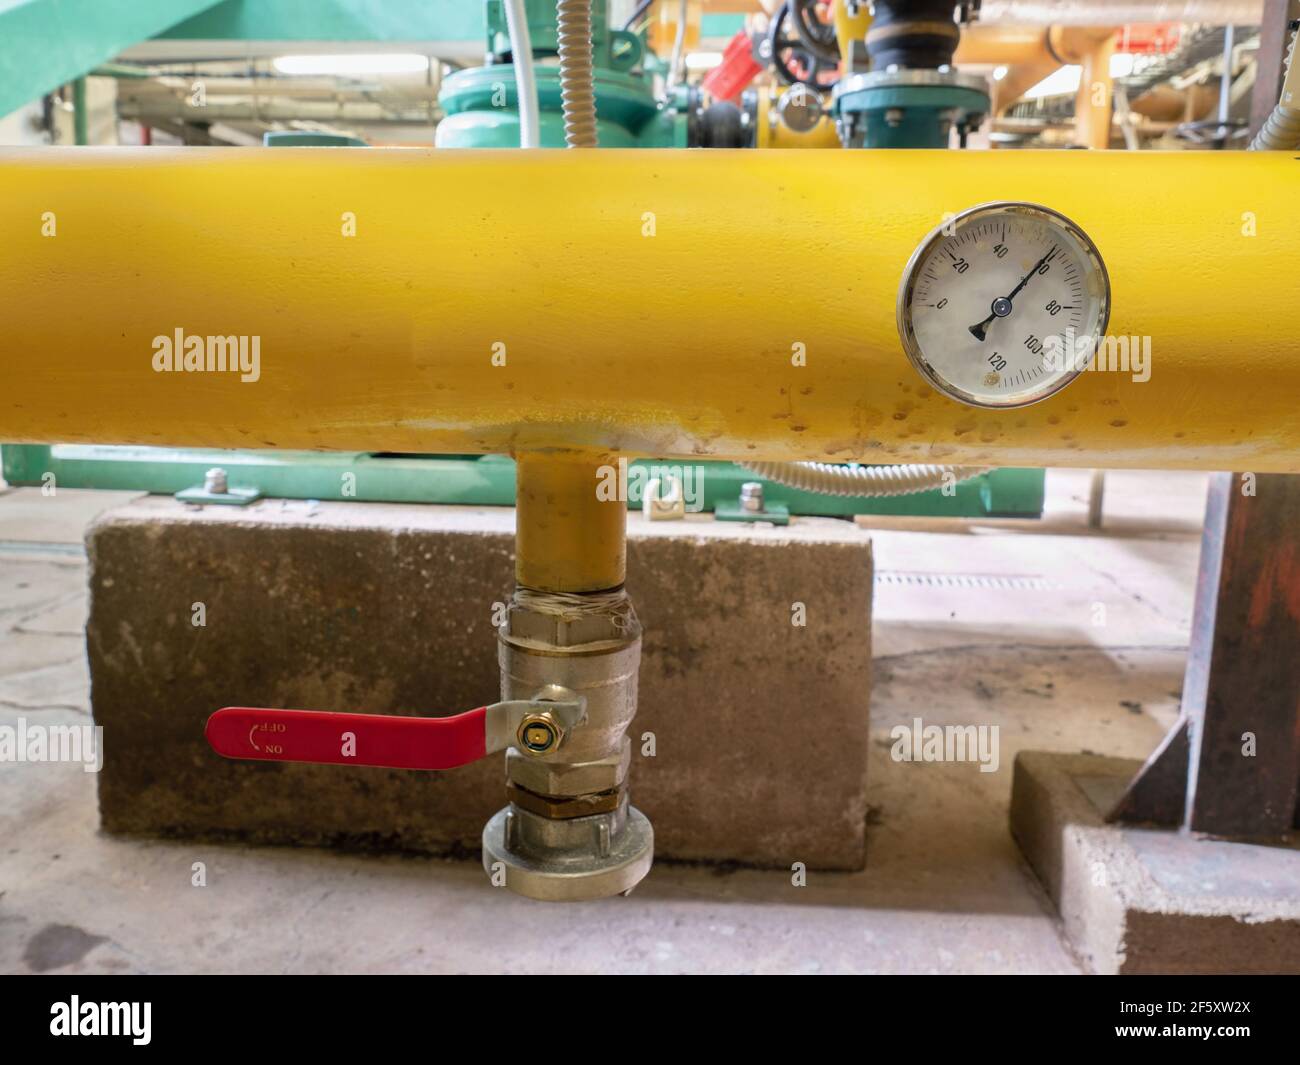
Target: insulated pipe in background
column 1120, row 12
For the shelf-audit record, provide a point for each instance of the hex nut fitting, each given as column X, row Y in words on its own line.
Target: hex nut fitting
column 539, row 733
column 545, row 776
column 528, row 626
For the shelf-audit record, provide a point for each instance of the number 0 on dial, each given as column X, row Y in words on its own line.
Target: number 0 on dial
column 1003, row 305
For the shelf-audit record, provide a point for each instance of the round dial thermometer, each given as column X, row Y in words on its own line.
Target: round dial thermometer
column 1003, row 305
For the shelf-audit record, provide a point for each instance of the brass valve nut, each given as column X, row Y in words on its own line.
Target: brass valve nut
column 546, row 776
column 529, row 625
column 539, row 733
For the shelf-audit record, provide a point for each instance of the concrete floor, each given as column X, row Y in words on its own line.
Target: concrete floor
column 1064, row 638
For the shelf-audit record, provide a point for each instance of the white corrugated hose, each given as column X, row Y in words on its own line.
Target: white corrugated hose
column 863, row 482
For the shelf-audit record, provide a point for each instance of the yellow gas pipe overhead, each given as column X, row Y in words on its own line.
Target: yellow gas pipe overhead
column 1032, row 53
column 482, row 306
column 1092, row 100
column 990, row 43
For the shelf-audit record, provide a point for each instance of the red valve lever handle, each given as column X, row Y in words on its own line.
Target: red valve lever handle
column 349, row 739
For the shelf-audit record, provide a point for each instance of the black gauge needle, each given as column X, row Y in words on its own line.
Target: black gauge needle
column 1002, row 305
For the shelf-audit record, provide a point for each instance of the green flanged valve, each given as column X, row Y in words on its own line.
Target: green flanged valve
column 907, row 108
column 481, row 106
column 482, row 109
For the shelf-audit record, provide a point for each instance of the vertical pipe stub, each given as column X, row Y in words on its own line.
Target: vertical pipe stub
column 569, row 832
column 570, row 529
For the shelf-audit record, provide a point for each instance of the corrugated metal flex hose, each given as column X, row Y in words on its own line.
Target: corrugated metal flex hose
column 864, row 482
column 1281, row 133
column 577, row 89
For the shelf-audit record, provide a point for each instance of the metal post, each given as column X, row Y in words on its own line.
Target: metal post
column 1274, row 33
column 80, row 119
column 1225, row 82
column 1231, row 766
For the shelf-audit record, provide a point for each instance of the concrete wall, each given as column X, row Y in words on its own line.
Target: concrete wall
column 760, row 725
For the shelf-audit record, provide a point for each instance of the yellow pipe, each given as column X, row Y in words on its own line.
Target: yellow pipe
column 1164, row 103
column 1018, row 80
column 663, row 26
column 571, row 522
column 990, row 43
column 1092, row 101
column 771, row 132
column 1032, row 53
column 822, row 135
column 850, row 27
column 482, row 307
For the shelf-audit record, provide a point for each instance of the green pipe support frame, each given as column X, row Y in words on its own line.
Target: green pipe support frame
column 487, row 480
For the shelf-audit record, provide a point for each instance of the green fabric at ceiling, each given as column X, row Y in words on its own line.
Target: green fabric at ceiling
column 46, row 43
column 359, row 20
column 335, row 20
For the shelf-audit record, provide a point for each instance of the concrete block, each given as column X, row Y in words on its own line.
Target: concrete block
column 1149, row 900
column 760, row 726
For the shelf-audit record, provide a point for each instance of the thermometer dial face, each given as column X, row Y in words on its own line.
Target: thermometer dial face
column 1003, row 305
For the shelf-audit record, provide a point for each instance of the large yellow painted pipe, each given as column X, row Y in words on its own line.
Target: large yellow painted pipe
column 507, row 301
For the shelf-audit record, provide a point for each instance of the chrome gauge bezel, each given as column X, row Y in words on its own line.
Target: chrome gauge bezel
column 941, row 232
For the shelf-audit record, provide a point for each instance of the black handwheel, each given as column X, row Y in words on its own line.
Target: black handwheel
column 818, row 37
column 794, row 62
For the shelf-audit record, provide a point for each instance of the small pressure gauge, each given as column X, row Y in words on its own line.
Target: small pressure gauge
column 1003, row 305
